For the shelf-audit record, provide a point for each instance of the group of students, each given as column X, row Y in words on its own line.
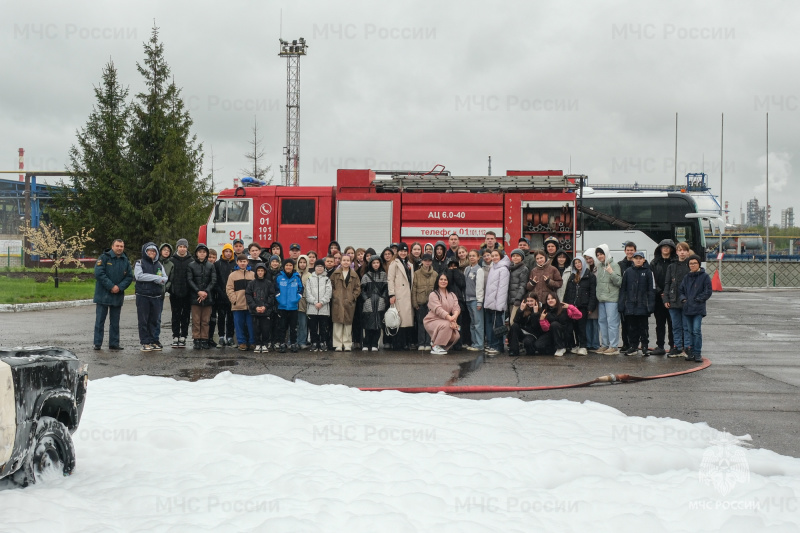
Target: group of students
column 579, row 305
column 443, row 297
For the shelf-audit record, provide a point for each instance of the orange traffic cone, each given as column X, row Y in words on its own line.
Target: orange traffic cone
column 716, row 284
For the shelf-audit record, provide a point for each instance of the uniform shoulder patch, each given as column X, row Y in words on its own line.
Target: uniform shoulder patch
column 99, row 262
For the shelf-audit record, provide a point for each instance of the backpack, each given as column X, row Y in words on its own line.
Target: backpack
column 392, row 321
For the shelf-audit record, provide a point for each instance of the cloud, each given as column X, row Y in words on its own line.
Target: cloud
column 780, row 170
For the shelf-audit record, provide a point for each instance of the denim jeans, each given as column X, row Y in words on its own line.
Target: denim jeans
column 493, row 319
column 243, row 324
column 592, row 333
column 476, row 324
column 676, row 316
column 101, row 313
column 693, row 336
column 608, row 323
column 302, row 329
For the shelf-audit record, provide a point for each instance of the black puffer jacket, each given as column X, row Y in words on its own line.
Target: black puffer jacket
column 582, row 294
column 261, row 293
column 375, row 295
column 672, row 285
column 636, row 294
column 223, row 269
column 518, row 279
column 201, row 277
column 530, row 322
column 659, row 265
column 459, row 284
column 179, row 277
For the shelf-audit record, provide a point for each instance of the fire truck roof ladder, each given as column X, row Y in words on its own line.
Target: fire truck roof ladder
column 474, row 183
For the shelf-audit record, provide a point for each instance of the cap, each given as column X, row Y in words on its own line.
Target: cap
column 240, row 241
column 294, row 246
column 518, row 252
column 452, row 261
column 319, row 263
column 427, row 257
column 393, row 245
column 183, row 242
column 274, row 258
column 638, row 254
column 525, row 239
column 402, row 246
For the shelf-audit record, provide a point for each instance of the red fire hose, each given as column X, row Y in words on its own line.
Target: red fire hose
column 474, row 389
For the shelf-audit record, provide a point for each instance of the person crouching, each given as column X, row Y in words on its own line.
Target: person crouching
column 441, row 322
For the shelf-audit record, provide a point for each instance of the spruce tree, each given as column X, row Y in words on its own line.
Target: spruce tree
column 254, row 166
column 99, row 165
column 168, row 197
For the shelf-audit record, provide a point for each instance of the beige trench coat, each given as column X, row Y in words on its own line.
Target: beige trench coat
column 401, row 289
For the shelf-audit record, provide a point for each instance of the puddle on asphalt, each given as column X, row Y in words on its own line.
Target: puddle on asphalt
column 195, row 374
column 224, row 362
column 466, row 368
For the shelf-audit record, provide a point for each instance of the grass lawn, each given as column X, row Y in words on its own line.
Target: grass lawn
column 26, row 290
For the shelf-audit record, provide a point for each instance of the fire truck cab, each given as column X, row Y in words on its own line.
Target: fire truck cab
column 370, row 209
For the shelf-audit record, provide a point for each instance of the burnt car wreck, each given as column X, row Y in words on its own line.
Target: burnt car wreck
column 42, row 394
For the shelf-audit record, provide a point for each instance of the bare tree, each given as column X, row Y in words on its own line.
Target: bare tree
column 49, row 241
column 255, row 168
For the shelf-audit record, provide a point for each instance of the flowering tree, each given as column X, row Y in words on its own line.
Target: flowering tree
column 49, row 241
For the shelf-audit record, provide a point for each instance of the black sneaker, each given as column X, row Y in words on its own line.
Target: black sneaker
column 673, row 352
column 116, row 348
column 97, row 347
column 282, row 348
column 631, row 351
column 658, row 351
column 646, row 352
column 293, row 348
column 157, row 347
column 176, row 342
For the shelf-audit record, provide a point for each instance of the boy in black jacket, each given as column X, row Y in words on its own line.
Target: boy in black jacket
column 260, row 296
column 637, row 299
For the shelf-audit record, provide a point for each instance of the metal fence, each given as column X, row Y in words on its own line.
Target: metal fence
column 754, row 274
column 11, row 256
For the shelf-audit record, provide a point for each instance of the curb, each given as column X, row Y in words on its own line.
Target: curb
column 43, row 306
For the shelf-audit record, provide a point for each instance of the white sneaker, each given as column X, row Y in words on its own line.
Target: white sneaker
column 374, row 349
column 581, row 351
column 364, row 349
column 560, row 352
column 438, row 350
column 421, row 348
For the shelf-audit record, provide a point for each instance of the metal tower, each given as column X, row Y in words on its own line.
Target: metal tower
column 292, row 52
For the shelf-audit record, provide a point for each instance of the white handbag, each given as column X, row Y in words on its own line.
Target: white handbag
column 392, row 320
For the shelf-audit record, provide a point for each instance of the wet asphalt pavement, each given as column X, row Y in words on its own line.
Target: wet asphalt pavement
column 751, row 338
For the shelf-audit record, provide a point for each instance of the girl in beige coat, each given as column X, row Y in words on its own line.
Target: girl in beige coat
column 346, row 287
column 400, row 277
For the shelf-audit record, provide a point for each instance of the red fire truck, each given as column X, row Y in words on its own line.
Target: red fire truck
column 370, row 208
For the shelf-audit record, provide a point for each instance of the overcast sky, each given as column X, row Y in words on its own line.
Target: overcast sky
column 411, row 84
